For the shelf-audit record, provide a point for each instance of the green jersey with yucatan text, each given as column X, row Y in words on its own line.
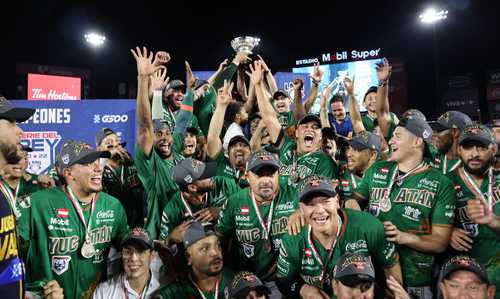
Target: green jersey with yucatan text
column 225, row 169
column 486, row 245
column 54, row 234
column 241, row 221
column 348, row 181
column 360, row 232
column 415, row 204
column 175, row 211
column 298, row 167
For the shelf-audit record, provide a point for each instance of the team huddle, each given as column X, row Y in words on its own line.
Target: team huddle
column 235, row 190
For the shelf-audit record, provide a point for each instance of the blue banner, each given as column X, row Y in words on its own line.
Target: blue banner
column 55, row 122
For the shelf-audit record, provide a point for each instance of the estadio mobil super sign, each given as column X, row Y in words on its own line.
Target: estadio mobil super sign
column 55, row 122
column 47, row 87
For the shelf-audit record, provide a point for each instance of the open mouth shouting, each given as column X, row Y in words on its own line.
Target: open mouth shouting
column 309, row 139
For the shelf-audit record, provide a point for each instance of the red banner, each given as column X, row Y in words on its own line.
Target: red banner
column 46, row 87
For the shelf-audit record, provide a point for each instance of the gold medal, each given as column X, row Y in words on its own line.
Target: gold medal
column 385, row 204
column 88, row 250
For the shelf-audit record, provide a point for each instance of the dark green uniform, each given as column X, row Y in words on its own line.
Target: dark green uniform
column 240, row 220
column 55, row 235
column 370, row 123
column 486, row 246
column 443, row 164
column 187, row 289
column 169, row 117
column 155, row 174
column 348, row 181
column 175, row 211
column 298, row 167
column 124, row 184
column 423, row 199
column 286, row 119
column 360, row 233
column 204, row 108
column 225, row 169
column 27, row 186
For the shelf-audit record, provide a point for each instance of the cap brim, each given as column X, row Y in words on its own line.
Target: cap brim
column 310, row 118
column 355, row 279
column 483, row 141
column 18, row 114
column 243, row 293
column 141, row 242
column 92, row 156
column 357, row 145
column 308, row 195
column 236, row 139
column 210, row 170
column 271, row 164
column 474, row 270
column 436, row 126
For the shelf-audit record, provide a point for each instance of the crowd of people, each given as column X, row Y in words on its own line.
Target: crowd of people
column 235, row 190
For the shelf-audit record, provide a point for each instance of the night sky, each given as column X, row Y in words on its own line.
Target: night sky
column 51, row 33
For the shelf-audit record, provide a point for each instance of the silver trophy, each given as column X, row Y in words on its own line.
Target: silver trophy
column 244, row 43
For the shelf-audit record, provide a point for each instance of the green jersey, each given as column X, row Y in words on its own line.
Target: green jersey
column 298, row 167
column 248, row 224
column 21, row 194
column 169, row 117
column 286, row 119
column 124, row 183
column 416, row 202
column 225, row 169
column 348, row 181
column 55, row 233
column 204, row 108
column 359, row 232
column 187, row 288
column 486, row 246
column 370, row 123
column 178, row 209
column 443, row 164
column 155, row 174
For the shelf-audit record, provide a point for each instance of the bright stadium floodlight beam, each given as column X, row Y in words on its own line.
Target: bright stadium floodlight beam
column 431, row 16
column 95, row 39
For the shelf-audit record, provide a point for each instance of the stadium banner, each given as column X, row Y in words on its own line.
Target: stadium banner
column 55, row 122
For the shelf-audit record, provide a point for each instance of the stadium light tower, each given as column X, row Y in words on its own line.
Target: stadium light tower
column 95, row 39
column 431, row 16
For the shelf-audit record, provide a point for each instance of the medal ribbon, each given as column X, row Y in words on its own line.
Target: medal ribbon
column 115, row 174
column 401, row 178
column 266, row 228
column 201, row 292
column 80, row 212
column 353, row 180
column 475, row 188
column 330, row 254
column 445, row 165
column 144, row 292
column 11, row 197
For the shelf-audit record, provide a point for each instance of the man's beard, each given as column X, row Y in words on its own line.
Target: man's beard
column 482, row 169
column 11, row 153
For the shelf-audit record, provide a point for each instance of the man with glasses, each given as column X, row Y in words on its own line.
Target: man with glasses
column 136, row 280
column 119, row 177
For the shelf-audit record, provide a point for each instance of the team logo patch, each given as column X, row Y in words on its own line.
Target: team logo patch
column 308, row 253
column 60, row 264
column 249, row 250
column 44, row 145
column 384, row 170
column 244, row 210
column 62, row 213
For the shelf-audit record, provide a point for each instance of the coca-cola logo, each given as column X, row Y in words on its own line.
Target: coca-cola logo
column 106, row 214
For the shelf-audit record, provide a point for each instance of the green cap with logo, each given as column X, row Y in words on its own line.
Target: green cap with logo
column 477, row 132
column 77, row 152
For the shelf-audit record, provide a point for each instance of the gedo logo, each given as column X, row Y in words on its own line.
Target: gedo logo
column 110, row 118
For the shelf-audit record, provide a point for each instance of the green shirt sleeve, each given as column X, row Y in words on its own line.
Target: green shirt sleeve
column 204, row 108
column 363, row 189
column 444, row 209
column 289, row 260
column 223, row 188
column 225, row 224
column 226, row 74
column 170, row 218
column 328, row 168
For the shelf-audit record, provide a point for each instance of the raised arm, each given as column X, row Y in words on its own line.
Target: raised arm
column 273, row 87
column 298, row 110
column 158, row 82
column 214, row 144
column 268, row 114
column 185, row 115
column 145, row 68
column 357, row 124
column 228, row 72
column 323, row 109
column 316, row 76
column 382, row 105
column 256, row 140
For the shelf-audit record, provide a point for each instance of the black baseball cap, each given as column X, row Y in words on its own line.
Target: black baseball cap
column 310, row 118
column 199, row 83
column 197, row 231
column 7, row 111
column 365, row 140
column 354, row 268
column 370, row 90
column 281, row 92
column 190, row 170
column 451, row 120
column 262, row 159
column 464, row 262
column 237, row 138
column 314, row 186
column 103, row 133
column 417, row 127
column 244, row 282
column 414, row 113
column 159, row 124
column 77, row 152
column 176, row 84
column 477, row 132
column 193, row 130
column 139, row 236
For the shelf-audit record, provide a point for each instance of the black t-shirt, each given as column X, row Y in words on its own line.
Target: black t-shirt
column 11, row 270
